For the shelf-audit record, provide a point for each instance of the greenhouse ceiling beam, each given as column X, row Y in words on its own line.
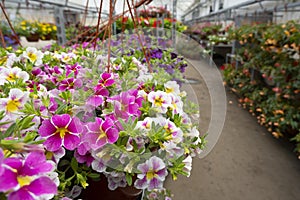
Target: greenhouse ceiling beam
column 71, row 6
column 282, row 8
column 244, row 4
column 66, row 4
column 229, row 9
column 285, row 7
column 194, row 8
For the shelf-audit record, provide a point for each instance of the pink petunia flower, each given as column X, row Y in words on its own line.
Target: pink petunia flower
column 61, row 130
column 127, row 104
column 26, row 178
column 107, row 79
column 101, row 132
column 94, row 101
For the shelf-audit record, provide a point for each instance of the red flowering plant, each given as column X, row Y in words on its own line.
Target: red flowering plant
column 126, row 23
column 79, row 112
column 154, row 11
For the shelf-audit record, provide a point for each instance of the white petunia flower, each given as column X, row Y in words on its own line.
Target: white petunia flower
column 174, row 133
column 194, row 133
column 33, row 55
column 65, row 57
column 172, row 87
column 12, row 75
column 145, row 124
column 12, row 58
column 15, row 101
column 160, row 101
column 176, row 104
column 188, row 165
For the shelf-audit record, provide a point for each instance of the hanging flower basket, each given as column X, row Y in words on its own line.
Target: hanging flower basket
column 79, row 113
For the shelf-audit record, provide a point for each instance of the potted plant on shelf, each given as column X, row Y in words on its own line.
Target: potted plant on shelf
column 29, row 29
column 70, row 116
column 48, row 31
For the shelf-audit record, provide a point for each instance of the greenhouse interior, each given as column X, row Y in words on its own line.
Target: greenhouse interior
column 150, row 99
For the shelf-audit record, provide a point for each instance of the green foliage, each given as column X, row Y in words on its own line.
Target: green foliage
column 269, row 78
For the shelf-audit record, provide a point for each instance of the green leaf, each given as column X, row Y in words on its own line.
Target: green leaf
column 2, row 114
column 128, row 179
column 74, row 164
column 26, row 122
column 4, row 123
column 94, row 175
column 29, row 136
column 61, row 108
column 9, row 131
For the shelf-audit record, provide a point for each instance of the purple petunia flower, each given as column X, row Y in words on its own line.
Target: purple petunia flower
column 153, row 174
column 101, row 132
column 157, row 53
column 87, row 158
column 73, row 68
column 107, row 79
column 115, row 180
column 94, row 101
column 61, row 130
column 69, row 83
column 26, row 178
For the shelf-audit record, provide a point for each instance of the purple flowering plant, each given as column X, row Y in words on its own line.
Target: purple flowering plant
column 72, row 114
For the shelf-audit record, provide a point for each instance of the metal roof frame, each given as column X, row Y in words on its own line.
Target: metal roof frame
column 229, row 11
column 50, row 5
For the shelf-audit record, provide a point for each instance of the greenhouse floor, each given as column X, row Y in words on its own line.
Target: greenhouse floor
column 246, row 163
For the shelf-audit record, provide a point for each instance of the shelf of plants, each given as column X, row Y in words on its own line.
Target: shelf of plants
column 267, row 79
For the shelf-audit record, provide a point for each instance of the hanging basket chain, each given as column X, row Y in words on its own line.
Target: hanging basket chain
column 109, row 33
column 2, row 39
column 139, row 37
column 98, row 23
column 9, row 23
column 85, row 13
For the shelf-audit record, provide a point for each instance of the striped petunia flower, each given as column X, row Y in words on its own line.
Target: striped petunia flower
column 101, row 132
column 61, row 130
column 153, row 174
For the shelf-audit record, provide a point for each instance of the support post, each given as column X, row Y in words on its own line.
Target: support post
column 60, row 24
column 174, row 23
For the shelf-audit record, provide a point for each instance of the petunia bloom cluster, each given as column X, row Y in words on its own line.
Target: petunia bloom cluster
column 69, row 115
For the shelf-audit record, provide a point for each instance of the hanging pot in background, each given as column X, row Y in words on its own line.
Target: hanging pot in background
column 33, row 37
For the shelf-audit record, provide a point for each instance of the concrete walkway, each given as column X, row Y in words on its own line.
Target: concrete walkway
column 247, row 163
